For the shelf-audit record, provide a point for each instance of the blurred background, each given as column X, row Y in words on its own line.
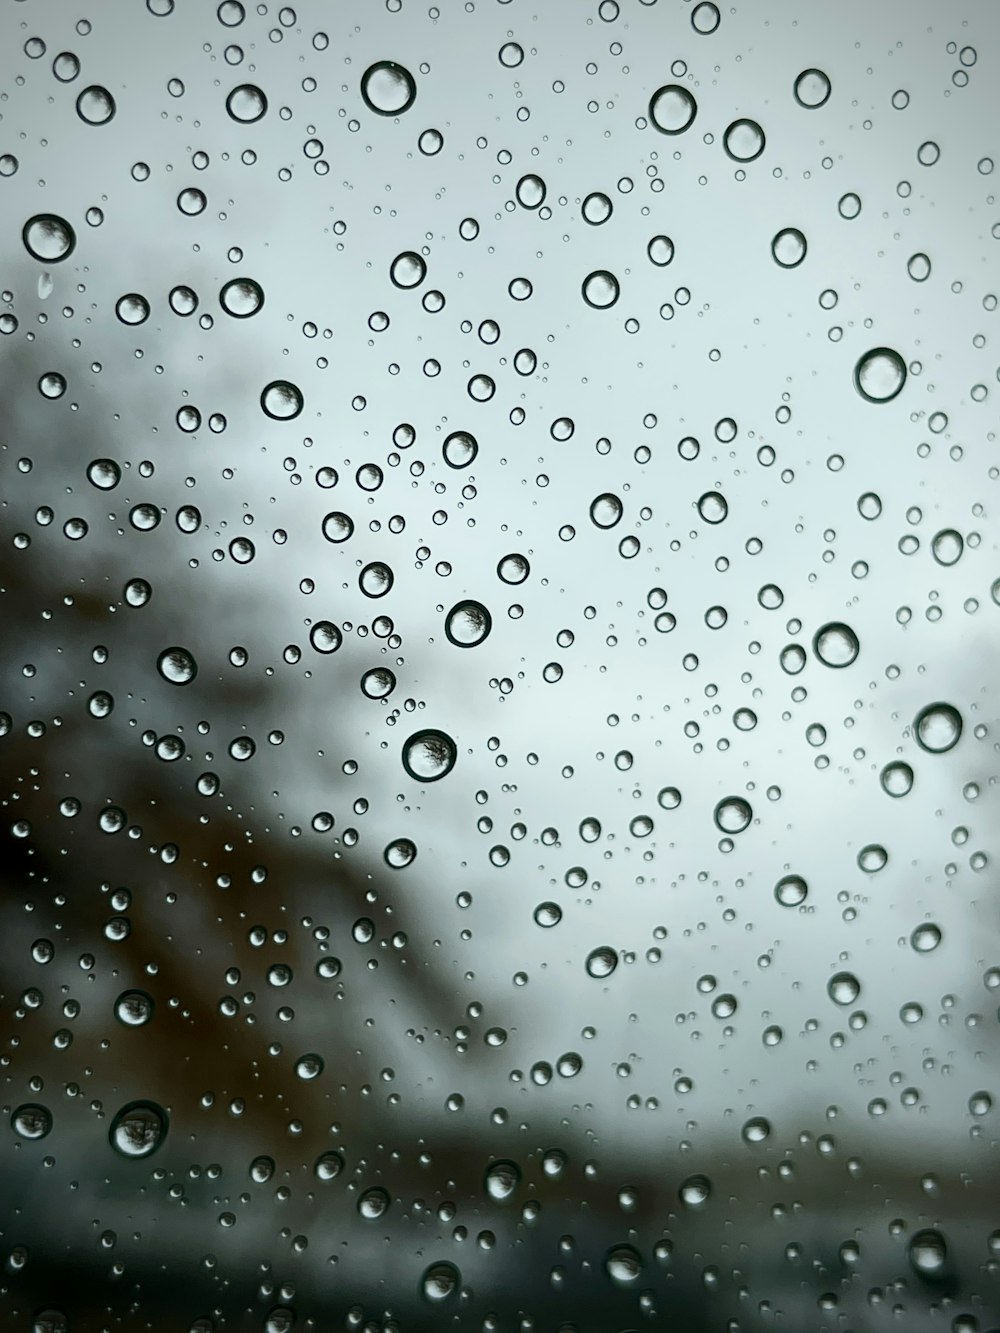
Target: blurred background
column 500, row 611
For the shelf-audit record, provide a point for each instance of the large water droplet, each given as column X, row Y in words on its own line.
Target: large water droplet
column 281, row 400
column 31, row 1121
column 744, row 140
column 600, row 289
column 429, row 755
column 388, row 89
column 812, row 89
column 733, row 814
column 48, row 238
column 408, row 270
column 605, row 510
column 325, row 636
column 925, row 938
column 623, row 1265
column 938, row 728
column 695, row 1191
column 602, row 961
column 373, row 1204
column 672, row 109
column 95, row 105
column 467, row 624
column 440, row 1283
column 947, row 546
column 138, row 1129
column 246, row 104
column 843, row 988
column 880, row 375
column 337, row 526
column 513, row 568
column 134, row 1008
column 460, row 449
column 400, row 853
column 177, row 666
column 836, row 644
column 132, row 308
column 502, row 1179
column 789, row 247
column 928, row 1253
column 241, row 297
column 791, row 890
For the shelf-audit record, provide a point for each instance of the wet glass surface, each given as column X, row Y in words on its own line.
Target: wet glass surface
column 498, row 722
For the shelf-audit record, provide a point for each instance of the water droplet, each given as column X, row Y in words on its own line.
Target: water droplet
column 672, row 109
column 896, row 778
column 843, row 988
column 601, row 962
column 695, row 1191
column 281, row 400
column 246, row 104
column 705, row 17
column 388, row 89
column 756, row 1130
column 429, row 755
column 48, row 238
column 744, row 140
column 789, row 247
column 378, row 683
column 513, row 568
column 328, row 1166
column 132, row 308
column 134, row 1008
column 31, row 1121
column 440, row 1283
column 337, row 526
column 600, row 289
column 597, row 208
column 261, row 1170
column 467, row 624
column 919, row 267
column 400, row 853
column 325, row 636
column 408, row 270
column 880, row 375
column 925, row 938
column 791, row 890
column 947, row 546
column 873, row 858
column 623, row 1265
column 938, row 728
column 241, row 297
column 606, row 510
column 660, row 250
column 177, row 666
column 376, row 579
column 373, row 1204
column 812, row 89
column 501, row 1180
column 104, row 473
column 836, row 644
column 530, row 191
column 138, row 1129
column 928, row 1253
column 733, row 814
column 309, row 1066
column 713, row 507
column 460, row 449
column 95, row 105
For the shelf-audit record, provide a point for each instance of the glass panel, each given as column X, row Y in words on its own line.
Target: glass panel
column 499, row 709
